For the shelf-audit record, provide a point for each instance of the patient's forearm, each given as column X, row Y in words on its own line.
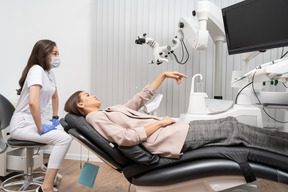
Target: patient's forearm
column 158, row 81
column 150, row 129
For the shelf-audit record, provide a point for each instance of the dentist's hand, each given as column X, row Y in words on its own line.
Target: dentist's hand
column 46, row 128
column 55, row 122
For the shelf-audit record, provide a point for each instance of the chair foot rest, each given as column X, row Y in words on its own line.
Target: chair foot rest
column 23, row 183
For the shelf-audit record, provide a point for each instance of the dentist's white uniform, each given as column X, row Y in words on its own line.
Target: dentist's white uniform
column 22, row 125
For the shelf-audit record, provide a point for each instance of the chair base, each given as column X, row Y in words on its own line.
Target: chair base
column 25, row 183
column 208, row 184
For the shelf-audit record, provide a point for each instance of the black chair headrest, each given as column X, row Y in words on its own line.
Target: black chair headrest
column 79, row 123
column 6, row 112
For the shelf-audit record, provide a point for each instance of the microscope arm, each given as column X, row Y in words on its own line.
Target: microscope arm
column 195, row 30
column 159, row 53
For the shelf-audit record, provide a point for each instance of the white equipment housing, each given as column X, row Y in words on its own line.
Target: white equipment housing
column 196, row 30
column 208, row 21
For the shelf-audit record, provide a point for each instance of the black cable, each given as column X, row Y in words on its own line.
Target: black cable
column 262, row 104
column 176, row 58
column 241, row 91
column 257, row 96
column 182, row 51
column 186, row 51
column 284, row 85
column 284, row 55
column 180, row 62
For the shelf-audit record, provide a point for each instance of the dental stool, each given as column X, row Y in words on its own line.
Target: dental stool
column 28, row 179
column 6, row 113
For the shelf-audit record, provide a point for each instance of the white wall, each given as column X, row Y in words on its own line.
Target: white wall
column 68, row 23
column 97, row 37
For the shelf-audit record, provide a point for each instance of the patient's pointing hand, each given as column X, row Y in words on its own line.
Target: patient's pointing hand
column 166, row 121
column 175, row 75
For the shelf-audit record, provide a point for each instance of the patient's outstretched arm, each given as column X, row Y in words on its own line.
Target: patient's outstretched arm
column 146, row 94
column 173, row 75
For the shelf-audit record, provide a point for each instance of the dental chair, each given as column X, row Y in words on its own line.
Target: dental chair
column 205, row 169
column 6, row 112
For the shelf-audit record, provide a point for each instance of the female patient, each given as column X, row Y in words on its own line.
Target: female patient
column 124, row 125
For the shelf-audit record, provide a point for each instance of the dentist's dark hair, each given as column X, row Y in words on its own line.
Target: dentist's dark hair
column 39, row 56
column 71, row 104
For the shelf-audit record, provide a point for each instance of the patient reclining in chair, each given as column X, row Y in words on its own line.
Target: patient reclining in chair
column 125, row 126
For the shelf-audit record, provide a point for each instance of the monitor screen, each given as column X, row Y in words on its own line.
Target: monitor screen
column 256, row 25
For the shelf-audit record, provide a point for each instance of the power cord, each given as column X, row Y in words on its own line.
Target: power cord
column 261, row 102
column 283, row 55
column 284, row 85
column 241, row 91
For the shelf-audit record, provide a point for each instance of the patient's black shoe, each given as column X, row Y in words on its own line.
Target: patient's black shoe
column 39, row 189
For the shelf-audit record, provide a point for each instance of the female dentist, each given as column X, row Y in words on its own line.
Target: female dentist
column 37, row 87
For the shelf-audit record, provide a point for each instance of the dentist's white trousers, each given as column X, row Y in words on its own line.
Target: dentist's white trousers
column 27, row 130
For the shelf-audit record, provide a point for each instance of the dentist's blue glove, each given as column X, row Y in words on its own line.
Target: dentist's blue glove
column 55, row 122
column 46, row 128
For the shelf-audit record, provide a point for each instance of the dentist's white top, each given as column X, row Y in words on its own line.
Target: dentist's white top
column 35, row 76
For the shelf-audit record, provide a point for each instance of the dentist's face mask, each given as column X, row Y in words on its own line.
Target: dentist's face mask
column 55, row 62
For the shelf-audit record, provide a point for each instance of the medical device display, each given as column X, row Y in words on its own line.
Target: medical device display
column 264, row 31
column 256, row 25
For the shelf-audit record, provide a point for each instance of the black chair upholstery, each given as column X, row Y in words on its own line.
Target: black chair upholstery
column 23, row 144
column 204, row 162
column 6, row 113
